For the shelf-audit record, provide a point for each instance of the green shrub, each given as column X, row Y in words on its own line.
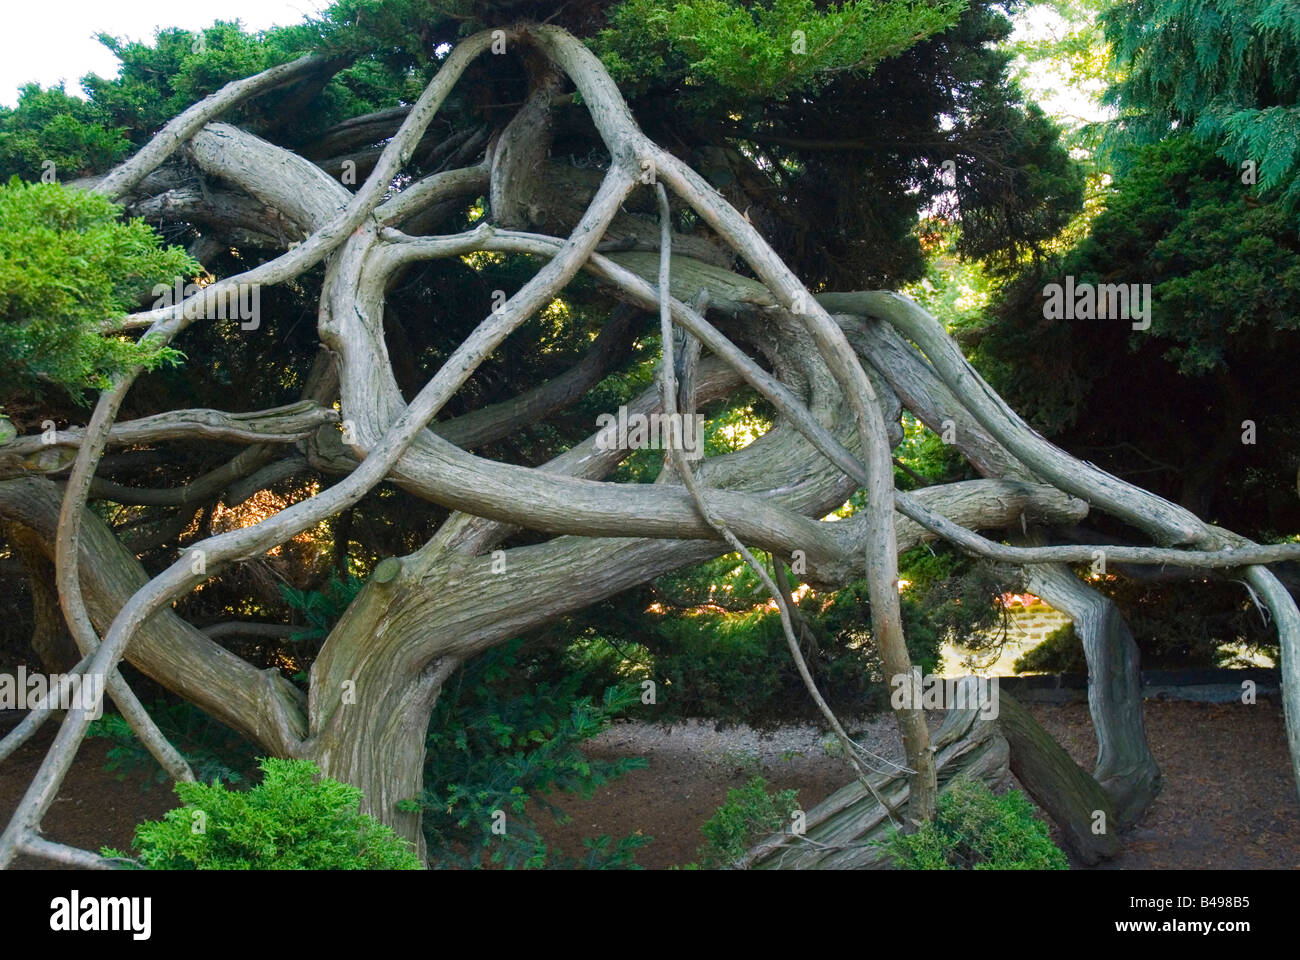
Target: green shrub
column 721, row 48
column 324, row 607
column 975, row 830
column 54, row 127
column 710, row 638
column 1060, row 652
column 67, row 265
column 503, row 736
column 717, row 650
column 294, row 819
column 750, row 814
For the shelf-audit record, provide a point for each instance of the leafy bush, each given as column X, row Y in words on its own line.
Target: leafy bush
column 745, row 49
column 715, row 648
column 1060, row 652
column 324, row 607
column 714, row 643
column 750, row 814
column 502, row 737
column 505, row 734
column 954, row 597
column 293, row 820
column 975, row 830
column 1223, row 263
column 67, row 265
column 1188, row 623
column 321, row 609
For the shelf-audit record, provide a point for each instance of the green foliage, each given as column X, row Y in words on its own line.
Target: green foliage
column 1064, row 61
column 67, row 265
column 718, row 650
column 750, row 814
column 724, row 49
column 503, row 739
column 1229, row 70
column 954, row 289
column 158, row 80
column 975, row 830
column 324, row 607
column 711, row 639
column 51, row 127
column 1191, row 623
column 505, row 735
column 295, row 819
column 839, row 206
column 1182, row 624
column 953, row 597
column 1079, row 46
column 1060, row 652
column 382, row 47
column 922, row 459
column 213, row 750
column 1224, row 266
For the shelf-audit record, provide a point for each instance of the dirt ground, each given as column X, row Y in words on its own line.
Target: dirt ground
column 1228, row 800
column 93, row 809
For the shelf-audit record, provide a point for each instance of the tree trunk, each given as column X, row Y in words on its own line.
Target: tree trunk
column 372, row 693
column 1068, row 795
column 1125, row 767
column 379, row 672
column 844, row 830
column 50, row 638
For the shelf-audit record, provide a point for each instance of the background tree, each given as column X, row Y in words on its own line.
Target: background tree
column 1197, row 407
column 1225, row 69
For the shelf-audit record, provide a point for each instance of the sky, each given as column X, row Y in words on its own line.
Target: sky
column 52, row 41
column 1048, row 84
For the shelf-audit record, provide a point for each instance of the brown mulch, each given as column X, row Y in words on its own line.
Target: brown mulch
column 1229, row 798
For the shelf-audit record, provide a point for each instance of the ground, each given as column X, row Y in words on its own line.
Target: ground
column 1229, row 800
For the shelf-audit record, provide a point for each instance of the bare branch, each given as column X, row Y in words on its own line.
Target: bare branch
column 170, row 138
column 287, row 424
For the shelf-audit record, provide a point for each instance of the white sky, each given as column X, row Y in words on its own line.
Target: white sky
column 1050, row 85
column 52, row 40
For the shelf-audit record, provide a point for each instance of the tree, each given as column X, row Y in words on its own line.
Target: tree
column 506, row 226
column 1225, row 69
column 1224, row 268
